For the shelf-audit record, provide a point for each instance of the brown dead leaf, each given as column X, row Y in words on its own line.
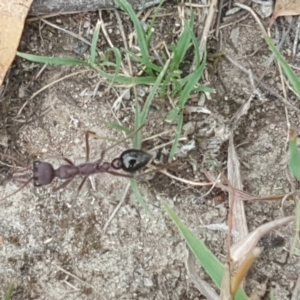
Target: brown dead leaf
column 285, row 8
column 12, row 17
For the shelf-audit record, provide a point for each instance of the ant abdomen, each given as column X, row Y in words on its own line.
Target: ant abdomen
column 132, row 160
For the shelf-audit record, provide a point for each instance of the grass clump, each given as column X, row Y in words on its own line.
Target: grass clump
column 160, row 70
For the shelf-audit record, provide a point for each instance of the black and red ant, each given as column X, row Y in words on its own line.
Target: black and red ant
column 129, row 161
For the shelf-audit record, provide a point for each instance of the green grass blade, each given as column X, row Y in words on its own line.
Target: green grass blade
column 94, row 42
column 191, row 83
column 108, row 64
column 144, row 61
column 297, row 217
column 138, row 195
column 196, row 46
column 124, row 80
column 206, row 258
column 294, row 160
column 186, row 39
column 141, row 117
column 173, row 114
column 294, row 80
column 204, row 89
column 140, row 33
column 137, row 140
column 120, row 79
column 150, row 30
column 296, row 238
column 118, row 65
column 181, row 49
column 177, row 136
column 9, row 292
column 172, row 77
column 272, row 296
column 52, row 60
column 116, row 126
column 191, row 80
column 145, row 110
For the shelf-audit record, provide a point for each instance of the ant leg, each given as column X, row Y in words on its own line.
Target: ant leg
column 81, row 185
column 87, row 144
column 18, row 190
column 68, row 161
column 22, row 170
column 119, row 174
column 2, row 155
column 63, row 185
column 117, row 143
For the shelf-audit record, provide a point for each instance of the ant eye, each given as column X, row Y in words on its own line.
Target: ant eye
column 36, row 163
column 36, row 181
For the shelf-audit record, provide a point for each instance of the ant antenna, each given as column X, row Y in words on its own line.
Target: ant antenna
column 18, row 190
column 119, row 142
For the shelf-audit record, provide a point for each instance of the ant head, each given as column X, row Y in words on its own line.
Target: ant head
column 43, row 173
column 132, row 160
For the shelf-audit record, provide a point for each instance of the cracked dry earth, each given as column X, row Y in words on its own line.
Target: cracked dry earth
column 51, row 251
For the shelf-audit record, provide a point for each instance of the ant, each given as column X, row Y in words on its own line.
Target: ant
column 130, row 161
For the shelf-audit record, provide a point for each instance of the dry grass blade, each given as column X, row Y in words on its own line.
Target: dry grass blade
column 189, row 182
column 262, row 84
column 200, row 284
column 236, row 205
column 296, row 292
column 80, row 280
column 239, row 250
column 47, row 86
column 121, row 202
column 9, row 157
column 253, row 14
column 243, row 195
column 76, row 36
column 208, row 22
column 243, row 269
column 225, row 289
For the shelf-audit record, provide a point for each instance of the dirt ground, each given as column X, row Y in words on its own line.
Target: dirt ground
column 57, row 246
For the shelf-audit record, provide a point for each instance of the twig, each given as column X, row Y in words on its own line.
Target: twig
column 116, row 209
column 124, row 41
column 208, row 22
column 249, row 9
column 219, row 18
column 47, row 86
column 32, row 19
column 296, row 291
column 2, row 155
column 80, row 280
column 283, row 38
column 76, row 36
column 261, row 84
column 212, row 187
column 103, row 28
column 189, row 182
column 296, row 37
